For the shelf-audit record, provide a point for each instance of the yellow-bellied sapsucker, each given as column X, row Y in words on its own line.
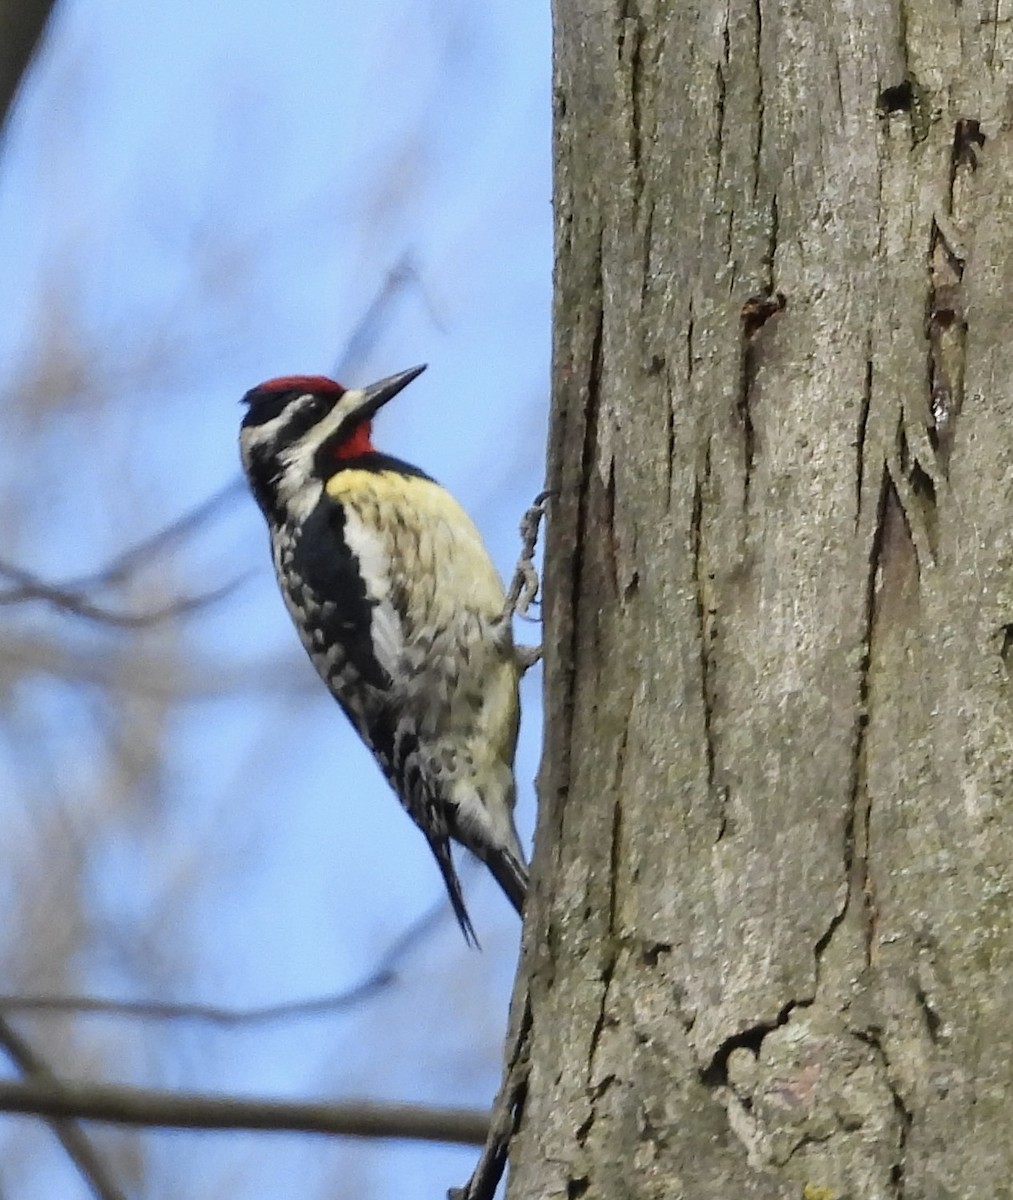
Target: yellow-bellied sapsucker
column 401, row 610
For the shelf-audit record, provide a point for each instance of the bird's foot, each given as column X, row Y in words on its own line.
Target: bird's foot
column 525, row 585
column 526, row 657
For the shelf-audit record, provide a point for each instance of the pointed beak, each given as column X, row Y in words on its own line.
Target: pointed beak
column 376, row 395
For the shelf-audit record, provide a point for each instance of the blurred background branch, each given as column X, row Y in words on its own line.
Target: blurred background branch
column 382, row 976
column 29, row 587
column 70, row 1135
column 188, row 1110
column 192, row 200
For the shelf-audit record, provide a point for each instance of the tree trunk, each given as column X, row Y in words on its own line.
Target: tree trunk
column 770, row 951
column 22, row 23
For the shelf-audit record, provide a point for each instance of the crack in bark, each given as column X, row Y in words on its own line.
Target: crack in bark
column 582, row 522
column 858, row 816
column 770, row 250
column 617, row 818
column 1006, row 647
column 747, row 374
column 933, row 1021
column 863, row 430
column 903, row 1114
column 608, row 527
column 705, row 615
column 715, row 1074
column 757, row 148
column 670, row 399
column 856, row 855
column 807, row 1138
column 914, row 494
column 614, row 856
column 670, row 440
column 607, row 975
column 690, row 330
column 946, row 326
column 630, row 49
column 994, row 48
column 755, row 314
column 838, row 82
column 720, row 101
column 636, row 137
column 648, row 236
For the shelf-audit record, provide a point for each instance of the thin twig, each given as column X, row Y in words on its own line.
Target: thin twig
column 30, row 587
column 371, row 324
column 194, row 1110
column 382, row 976
column 124, row 565
column 71, row 595
column 71, row 1136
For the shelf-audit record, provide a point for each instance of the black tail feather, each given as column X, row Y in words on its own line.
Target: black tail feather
column 511, row 874
column 441, row 852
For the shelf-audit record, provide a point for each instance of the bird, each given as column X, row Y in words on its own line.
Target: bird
column 401, row 610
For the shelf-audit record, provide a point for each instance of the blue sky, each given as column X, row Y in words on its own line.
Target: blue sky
column 194, row 198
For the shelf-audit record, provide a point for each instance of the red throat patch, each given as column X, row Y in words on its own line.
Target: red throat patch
column 358, row 442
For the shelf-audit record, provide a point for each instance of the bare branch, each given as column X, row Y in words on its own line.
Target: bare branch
column 71, row 595
column 30, row 587
column 382, row 976
column 71, row 1136
column 371, row 324
column 193, row 1110
column 125, row 564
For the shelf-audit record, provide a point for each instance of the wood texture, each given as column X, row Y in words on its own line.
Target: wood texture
column 771, row 945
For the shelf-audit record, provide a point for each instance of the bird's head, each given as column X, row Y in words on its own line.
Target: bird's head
column 298, row 426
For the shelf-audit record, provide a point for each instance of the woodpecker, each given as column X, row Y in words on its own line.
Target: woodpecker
column 401, row 610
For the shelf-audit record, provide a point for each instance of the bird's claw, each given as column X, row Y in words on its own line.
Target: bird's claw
column 525, row 585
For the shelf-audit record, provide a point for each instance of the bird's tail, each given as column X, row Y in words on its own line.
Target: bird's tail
column 511, row 873
column 440, row 847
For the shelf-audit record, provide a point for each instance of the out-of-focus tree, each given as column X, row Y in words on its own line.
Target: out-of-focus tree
column 156, row 738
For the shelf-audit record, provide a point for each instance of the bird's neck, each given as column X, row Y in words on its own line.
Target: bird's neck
column 357, row 443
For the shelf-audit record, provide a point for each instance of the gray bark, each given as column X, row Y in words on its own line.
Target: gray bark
column 770, row 949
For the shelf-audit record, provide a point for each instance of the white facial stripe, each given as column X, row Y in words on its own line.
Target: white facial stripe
column 253, row 436
column 298, row 457
column 295, row 479
column 298, row 487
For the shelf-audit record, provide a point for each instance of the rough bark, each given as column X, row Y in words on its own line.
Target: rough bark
column 770, row 951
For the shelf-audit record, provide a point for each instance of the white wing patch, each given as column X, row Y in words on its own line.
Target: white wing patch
column 369, row 547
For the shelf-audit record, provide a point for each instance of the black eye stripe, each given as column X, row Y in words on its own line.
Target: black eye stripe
column 305, row 411
column 264, row 407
